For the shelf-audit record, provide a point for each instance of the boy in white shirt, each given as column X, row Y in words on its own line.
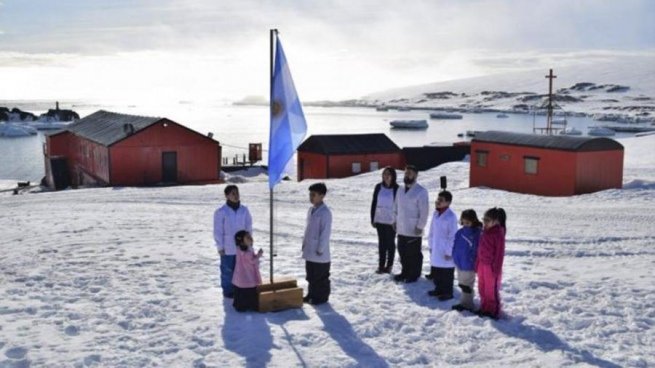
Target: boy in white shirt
column 316, row 246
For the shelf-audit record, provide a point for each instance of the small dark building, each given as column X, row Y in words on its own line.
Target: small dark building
column 107, row 148
column 427, row 157
column 343, row 155
column 548, row 165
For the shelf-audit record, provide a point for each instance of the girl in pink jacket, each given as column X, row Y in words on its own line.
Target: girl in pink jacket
column 489, row 263
column 246, row 273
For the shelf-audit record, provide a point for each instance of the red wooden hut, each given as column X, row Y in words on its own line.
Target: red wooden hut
column 551, row 165
column 342, row 155
column 107, row 148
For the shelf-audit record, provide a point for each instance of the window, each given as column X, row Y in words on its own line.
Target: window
column 481, row 158
column 357, row 167
column 531, row 165
column 374, row 166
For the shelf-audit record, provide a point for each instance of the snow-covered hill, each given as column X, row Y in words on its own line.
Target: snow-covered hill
column 128, row 277
column 613, row 89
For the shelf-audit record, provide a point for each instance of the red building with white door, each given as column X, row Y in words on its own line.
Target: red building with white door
column 550, row 165
column 107, row 148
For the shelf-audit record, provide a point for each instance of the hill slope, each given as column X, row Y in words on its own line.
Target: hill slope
column 625, row 88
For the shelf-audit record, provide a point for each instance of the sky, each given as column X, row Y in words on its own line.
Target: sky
column 183, row 50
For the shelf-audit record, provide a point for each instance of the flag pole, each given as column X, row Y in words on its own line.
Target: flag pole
column 273, row 33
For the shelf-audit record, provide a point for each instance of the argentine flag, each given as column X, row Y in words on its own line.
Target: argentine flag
column 288, row 125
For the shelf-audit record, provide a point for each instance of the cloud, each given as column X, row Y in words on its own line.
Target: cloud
column 515, row 61
column 336, row 48
column 376, row 27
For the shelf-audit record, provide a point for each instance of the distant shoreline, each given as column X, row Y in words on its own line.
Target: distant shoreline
column 609, row 117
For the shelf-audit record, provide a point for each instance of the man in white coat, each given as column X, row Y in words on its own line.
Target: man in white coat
column 411, row 209
column 228, row 220
column 316, row 247
column 440, row 240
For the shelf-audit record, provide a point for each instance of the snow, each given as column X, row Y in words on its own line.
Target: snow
column 246, row 175
column 129, row 277
column 7, row 184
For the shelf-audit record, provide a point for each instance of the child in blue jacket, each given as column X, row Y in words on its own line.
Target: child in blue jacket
column 465, row 250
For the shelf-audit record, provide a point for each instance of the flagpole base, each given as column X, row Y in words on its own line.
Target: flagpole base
column 283, row 293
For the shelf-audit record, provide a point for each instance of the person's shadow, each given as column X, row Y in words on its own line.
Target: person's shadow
column 547, row 341
column 281, row 318
column 342, row 332
column 247, row 334
column 418, row 293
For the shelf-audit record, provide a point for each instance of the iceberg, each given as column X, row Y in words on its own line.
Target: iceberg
column 16, row 130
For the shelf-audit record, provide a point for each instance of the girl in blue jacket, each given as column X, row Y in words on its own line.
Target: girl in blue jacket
column 465, row 249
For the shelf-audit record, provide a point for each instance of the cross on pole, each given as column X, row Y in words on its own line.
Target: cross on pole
column 549, row 120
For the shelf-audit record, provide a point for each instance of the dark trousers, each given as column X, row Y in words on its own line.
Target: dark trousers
column 386, row 245
column 318, row 280
column 443, row 280
column 411, row 257
column 245, row 299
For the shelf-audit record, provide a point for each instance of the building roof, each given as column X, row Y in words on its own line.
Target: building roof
column 556, row 142
column 427, row 157
column 340, row 144
column 107, row 128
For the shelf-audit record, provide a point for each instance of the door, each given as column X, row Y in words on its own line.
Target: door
column 169, row 167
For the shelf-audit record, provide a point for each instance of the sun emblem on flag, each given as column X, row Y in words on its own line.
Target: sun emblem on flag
column 276, row 108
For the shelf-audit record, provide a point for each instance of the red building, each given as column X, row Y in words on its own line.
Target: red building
column 548, row 165
column 339, row 156
column 107, row 148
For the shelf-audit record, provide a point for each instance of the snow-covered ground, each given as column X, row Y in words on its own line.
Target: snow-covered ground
column 122, row 277
column 7, row 184
column 617, row 90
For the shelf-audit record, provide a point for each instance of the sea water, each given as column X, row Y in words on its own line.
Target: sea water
column 237, row 126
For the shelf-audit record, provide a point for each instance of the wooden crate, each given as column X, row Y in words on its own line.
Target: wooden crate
column 276, row 300
column 283, row 282
column 283, row 293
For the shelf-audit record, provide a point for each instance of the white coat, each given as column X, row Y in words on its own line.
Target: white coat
column 384, row 206
column 228, row 222
column 316, row 242
column 441, row 238
column 411, row 210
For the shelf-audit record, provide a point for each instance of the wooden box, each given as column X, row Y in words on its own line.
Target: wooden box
column 283, row 282
column 283, row 293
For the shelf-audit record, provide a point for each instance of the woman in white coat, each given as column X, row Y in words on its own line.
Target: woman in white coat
column 384, row 195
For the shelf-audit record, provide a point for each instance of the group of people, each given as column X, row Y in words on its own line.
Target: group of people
column 239, row 264
column 398, row 213
column 475, row 249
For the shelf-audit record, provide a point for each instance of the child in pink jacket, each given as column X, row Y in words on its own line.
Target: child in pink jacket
column 246, row 273
column 489, row 263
